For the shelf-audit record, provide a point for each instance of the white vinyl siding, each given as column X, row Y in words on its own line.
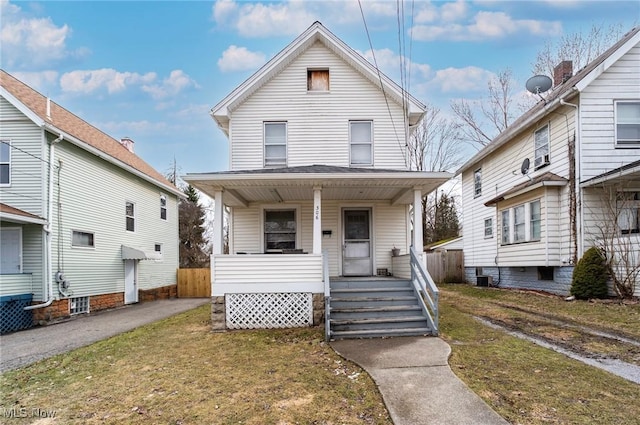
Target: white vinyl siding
column 317, row 124
column 275, row 144
column 627, row 123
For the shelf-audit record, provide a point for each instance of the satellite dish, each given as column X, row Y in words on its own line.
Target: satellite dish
column 538, row 84
column 524, row 168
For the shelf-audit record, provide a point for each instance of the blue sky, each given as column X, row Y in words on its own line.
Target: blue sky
column 152, row 70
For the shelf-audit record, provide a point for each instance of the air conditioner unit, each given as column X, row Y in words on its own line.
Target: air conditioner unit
column 484, row 280
column 541, row 161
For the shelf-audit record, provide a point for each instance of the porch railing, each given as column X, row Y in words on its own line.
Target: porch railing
column 428, row 293
column 327, row 294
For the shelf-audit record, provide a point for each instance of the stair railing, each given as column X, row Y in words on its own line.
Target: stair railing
column 327, row 294
column 428, row 293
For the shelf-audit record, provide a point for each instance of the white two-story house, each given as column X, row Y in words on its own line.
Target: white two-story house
column 319, row 170
column 563, row 177
column 85, row 224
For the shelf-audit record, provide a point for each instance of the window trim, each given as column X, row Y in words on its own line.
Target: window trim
column 93, row 239
column 285, row 144
column 490, row 228
column 163, row 208
column 370, row 144
column 628, row 204
column 279, row 207
column 545, row 159
column 477, row 182
column 633, row 144
column 159, row 252
column 523, row 224
column 505, row 230
column 133, row 217
column 310, row 72
column 8, row 163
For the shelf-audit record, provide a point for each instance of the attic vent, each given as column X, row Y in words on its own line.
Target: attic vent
column 317, row 79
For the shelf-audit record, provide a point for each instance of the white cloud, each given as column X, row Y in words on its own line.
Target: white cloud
column 85, row 82
column 453, row 11
column 28, row 42
column 132, row 127
column 170, row 86
column 467, row 79
column 262, row 20
column 223, row 10
column 41, row 81
column 240, row 59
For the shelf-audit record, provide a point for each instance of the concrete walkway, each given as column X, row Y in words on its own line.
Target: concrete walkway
column 22, row 348
column 416, row 382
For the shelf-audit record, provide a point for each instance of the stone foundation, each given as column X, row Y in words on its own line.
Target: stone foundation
column 318, row 309
column 218, row 314
column 161, row 293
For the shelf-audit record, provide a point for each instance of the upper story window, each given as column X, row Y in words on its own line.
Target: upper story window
column 130, row 211
column 5, row 163
column 627, row 123
column 279, row 230
column 628, row 206
column 275, row 144
column 361, row 142
column 477, row 182
column 163, row 207
column 541, row 146
column 317, row 80
column 82, row 239
column 488, row 228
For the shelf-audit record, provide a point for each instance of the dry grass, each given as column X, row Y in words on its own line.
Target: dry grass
column 177, row 372
column 528, row 384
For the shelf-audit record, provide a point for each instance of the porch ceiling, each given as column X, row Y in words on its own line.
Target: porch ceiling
column 297, row 184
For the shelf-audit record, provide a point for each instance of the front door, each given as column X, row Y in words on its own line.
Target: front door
column 130, row 282
column 10, row 247
column 356, row 253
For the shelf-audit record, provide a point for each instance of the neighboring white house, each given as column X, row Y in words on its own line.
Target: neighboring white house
column 582, row 147
column 319, row 168
column 85, row 224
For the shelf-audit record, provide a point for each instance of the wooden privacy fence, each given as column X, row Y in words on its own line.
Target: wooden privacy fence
column 446, row 266
column 194, row 283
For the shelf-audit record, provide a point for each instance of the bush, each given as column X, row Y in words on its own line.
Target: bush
column 590, row 276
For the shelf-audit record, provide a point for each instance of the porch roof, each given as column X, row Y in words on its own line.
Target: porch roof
column 15, row 215
column 545, row 179
column 629, row 174
column 276, row 185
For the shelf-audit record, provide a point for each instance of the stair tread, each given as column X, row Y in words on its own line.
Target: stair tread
column 374, row 309
column 396, row 319
column 373, row 289
column 382, row 331
column 396, row 298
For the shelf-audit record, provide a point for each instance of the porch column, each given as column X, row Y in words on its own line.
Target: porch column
column 418, row 243
column 218, row 223
column 317, row 220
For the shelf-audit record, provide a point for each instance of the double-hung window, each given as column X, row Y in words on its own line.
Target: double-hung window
column 541, row 147
column 488, row 228
column 535, row 220
column 506, row 234
column 519, row 224
column 130, row 212
column 163, row 207
column 275, row 144
column 628, row 205
column 477, row 182
column 361, row 142
column 5, row 163
column 279, row 230
column 627, row 123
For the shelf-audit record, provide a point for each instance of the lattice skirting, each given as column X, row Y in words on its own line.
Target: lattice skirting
column 269, row 310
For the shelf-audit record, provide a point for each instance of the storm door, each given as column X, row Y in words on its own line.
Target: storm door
column 356, row 252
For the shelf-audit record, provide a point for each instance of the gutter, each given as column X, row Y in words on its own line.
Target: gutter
column 47, row 228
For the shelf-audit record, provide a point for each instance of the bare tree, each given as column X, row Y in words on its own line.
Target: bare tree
column 615, row 233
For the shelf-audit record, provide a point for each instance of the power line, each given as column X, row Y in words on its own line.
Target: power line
column 11, row 146
column 375, row 62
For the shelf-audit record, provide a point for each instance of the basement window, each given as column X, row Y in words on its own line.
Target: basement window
column 318, row 80
column 545, row 273
column 79, row 305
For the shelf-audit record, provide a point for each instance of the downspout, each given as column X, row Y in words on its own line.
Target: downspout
column 47, row 229
column 574, row 195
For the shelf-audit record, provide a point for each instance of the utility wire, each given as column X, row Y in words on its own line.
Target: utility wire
column 23, row 151
column 375, row 62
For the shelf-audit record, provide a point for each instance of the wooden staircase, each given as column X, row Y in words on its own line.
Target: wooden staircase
column 372, row 308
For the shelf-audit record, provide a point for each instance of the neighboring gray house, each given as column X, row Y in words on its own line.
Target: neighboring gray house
column 319, row 169
column 526, row 230
column 85, row 224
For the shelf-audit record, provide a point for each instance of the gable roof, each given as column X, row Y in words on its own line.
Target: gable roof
column 316, row 32
column 74, row 129
column 559, row 94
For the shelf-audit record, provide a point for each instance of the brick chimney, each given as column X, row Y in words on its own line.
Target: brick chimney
column 127, row 143
column 562, row 72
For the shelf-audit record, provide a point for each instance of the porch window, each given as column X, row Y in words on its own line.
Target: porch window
column 130, row 216
column 488, row 228
column 518, row 224
column 279, row 230
column 506, row 237
column 318, row 80
column 163, row 207
column 477, row 182
column 536, row 220
column 628, row 205
column 275, row 144
column 541, row 146
column 361, row 142
column 5, row 163
column 82, row 239
column 627, row 123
